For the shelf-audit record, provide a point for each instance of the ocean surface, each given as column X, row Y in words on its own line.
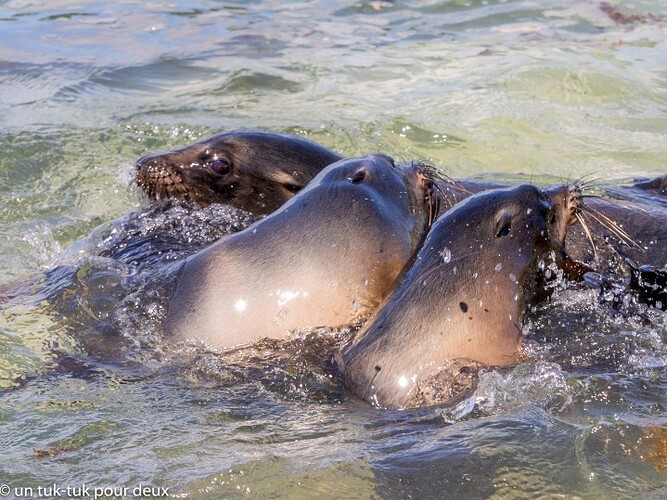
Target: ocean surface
column 515, row 90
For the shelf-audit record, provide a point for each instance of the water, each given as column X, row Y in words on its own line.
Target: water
column 520, row 90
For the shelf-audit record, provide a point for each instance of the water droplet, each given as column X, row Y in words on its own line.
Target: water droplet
column 499, row 267
column 446, row 255
column 513, row 277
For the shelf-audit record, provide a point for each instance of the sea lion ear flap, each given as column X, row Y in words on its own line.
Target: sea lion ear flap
column 503, row 223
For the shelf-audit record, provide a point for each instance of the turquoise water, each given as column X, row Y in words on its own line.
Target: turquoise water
column 548, row 90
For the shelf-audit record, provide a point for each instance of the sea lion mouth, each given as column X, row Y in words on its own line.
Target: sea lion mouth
column 571, row 199
column 158, row 182
column 567, row 204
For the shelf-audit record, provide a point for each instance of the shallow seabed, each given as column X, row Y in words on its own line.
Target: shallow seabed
column 517, row 89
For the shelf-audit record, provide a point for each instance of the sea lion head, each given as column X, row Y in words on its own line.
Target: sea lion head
column 398, row 202
column 327, row 257
column 463, row 298
column 251, row 170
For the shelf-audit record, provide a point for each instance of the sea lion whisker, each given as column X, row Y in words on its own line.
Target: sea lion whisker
column 433, row 175
column 619, row 203
column 445, row 194
column 433, row 193
column 585, row 175
column 436, row 174
column 587, row 232
column 457, row 186
column 431, row 201
column 611, row 226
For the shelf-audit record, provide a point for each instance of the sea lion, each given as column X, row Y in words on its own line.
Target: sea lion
column 655, row 187
column 251, row 170
column 463, row 298
column 258, row 171
column 630, row 224
column 327, row 258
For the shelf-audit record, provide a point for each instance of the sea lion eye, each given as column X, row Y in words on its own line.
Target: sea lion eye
column 358, row 176
column 218, row 166
column 292, row 188
column 503, row 223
